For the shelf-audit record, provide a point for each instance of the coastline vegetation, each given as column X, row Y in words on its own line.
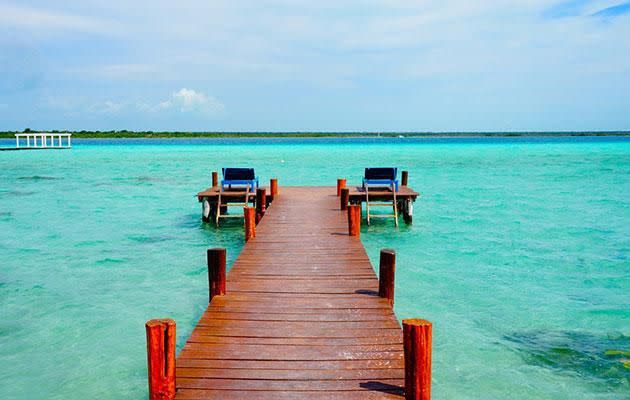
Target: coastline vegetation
column 176, row 134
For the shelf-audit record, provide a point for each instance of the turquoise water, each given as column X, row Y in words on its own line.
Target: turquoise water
column 518, row 254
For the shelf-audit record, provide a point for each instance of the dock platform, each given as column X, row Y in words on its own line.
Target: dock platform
column 301, row 317
column 405, row 197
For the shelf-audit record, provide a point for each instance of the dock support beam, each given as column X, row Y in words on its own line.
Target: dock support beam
column 261, row 204
column 341, row 183
column 215, row 179
column 354, row 220
column 405, row 178
column 250, row 222
column 417, row 344
column 161, row 358
column 386, row 275
column 273, row 188
column 344, row 198
column 216, row 272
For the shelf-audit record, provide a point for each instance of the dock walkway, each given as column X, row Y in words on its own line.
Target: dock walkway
column 301, row 317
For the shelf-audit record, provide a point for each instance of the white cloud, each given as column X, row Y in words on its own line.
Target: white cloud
column 188, row 100
column 183, row 101
column 37, row 19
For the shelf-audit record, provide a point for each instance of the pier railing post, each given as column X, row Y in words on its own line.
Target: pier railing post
column 215, row 179
column 354, row 220
column 216, row 272
column 344, row 198
column 273, row 188
column 405, row 178
column 261, row 204
column 386, row 275
column 161, row 358
column 341, row 183
column 250, row 222
column 417, row 345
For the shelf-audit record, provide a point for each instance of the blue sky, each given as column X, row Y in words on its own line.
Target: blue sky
column 281, row 65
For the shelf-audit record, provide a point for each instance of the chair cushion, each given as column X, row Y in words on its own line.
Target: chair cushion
column 238, row 174
column 381, row 173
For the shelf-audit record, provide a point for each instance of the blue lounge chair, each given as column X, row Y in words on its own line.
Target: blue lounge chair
column 381, row 178
column 242, row 179
column 239, row 177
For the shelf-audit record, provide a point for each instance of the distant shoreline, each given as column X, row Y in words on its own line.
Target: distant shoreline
column 233, row 135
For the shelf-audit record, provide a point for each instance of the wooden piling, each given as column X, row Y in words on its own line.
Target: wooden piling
column 354, row 220
column 215, row 179
column 344, row 198
column 216, row 272
column 273, row 188
column 161, row 358
column 341, row 183
column 417, row 347
column 386, row 275
column 261, row 204
column 250, row 222
column 405, row 178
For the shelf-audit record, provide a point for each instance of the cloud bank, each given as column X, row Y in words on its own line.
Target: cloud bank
column 329, row 65
column 188, row 100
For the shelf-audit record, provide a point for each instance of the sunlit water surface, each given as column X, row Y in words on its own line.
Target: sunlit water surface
column 518, row 254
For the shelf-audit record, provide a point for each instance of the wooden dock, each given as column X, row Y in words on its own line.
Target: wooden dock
column 300, row 317
column 356, row 195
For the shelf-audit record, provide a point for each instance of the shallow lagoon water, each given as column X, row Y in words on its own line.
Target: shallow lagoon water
column 518, row 254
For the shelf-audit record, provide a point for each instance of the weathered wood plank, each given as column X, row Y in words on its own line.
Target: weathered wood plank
column 301, row 317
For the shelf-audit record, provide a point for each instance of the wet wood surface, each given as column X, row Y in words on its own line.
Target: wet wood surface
column 357, row 193
column 301, row 318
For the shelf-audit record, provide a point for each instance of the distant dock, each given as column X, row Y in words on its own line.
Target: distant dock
column 41, row 141
column 301, row 314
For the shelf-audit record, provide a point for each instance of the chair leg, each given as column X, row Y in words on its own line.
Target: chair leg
column 218, row 214
column 395, row 206
column 367, row 204
column 246, row 199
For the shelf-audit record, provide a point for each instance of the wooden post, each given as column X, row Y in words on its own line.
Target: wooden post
column 341, row 183
column 250, row 222
column 215, row 179
column 344, row 198
column 261, row 204
column 386, row 274
column 405, row 178
column 273, row 188
column 161, row 358
column 417, row 344
column 354, row 220
column 216, row 272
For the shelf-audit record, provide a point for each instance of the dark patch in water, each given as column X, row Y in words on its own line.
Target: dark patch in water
column 19, row 193
column 196, row 272
column 189, row 221
column 6, row 214
column 147, row 179
column 588, row 355
column 38, row 178
column 87, row 243
column 149, row 239
column 108, row 261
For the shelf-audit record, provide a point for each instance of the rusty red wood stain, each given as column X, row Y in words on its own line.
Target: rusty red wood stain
column 301, row 317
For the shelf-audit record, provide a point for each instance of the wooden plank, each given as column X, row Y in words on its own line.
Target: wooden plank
column 196, row 394
column 301, row 317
